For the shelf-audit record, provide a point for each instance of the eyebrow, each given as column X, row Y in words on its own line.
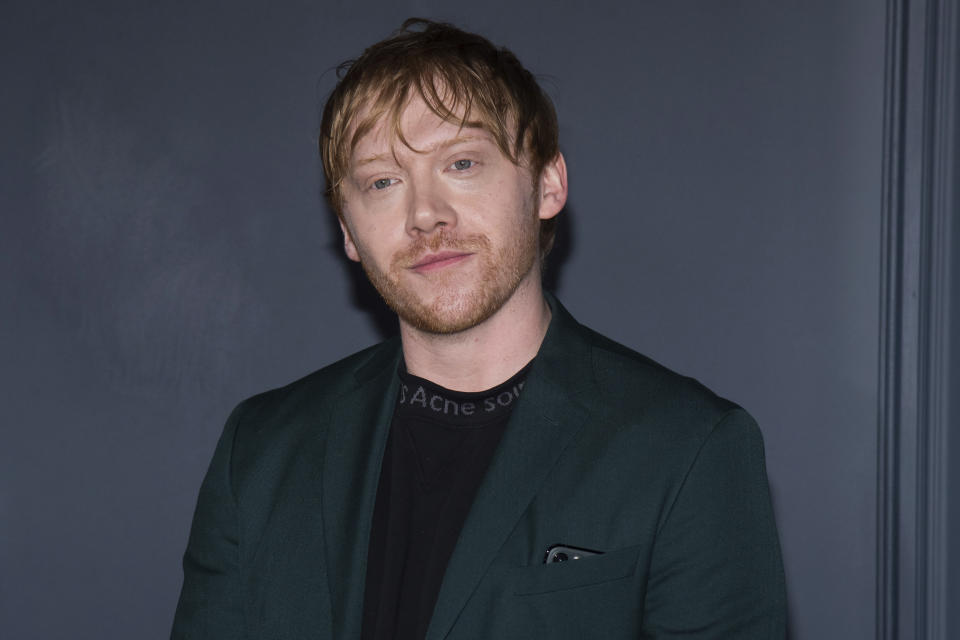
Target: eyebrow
column 443, row 144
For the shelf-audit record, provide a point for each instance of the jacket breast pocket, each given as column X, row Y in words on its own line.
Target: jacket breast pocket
column 573, row 574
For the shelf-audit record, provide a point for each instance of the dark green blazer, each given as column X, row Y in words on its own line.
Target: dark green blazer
column 605, row 450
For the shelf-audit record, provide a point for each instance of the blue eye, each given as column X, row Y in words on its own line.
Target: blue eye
column 462, row 165
column 382, row 183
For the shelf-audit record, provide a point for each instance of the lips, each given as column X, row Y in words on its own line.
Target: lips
column 433, row 261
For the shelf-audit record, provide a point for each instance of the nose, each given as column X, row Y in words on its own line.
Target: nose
column 429, row 210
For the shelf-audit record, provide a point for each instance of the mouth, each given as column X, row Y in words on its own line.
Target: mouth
column 443, row 259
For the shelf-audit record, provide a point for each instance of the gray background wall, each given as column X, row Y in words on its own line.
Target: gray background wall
column 165, row 252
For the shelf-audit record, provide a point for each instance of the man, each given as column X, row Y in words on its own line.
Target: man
column 499, row 471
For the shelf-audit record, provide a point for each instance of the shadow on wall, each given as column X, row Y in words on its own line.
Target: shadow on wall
column 130, row 261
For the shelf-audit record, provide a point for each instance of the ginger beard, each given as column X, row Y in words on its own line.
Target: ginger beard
column 450, row 304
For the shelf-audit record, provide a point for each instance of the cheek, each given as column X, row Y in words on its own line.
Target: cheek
column 504, row 201
column 376, row 243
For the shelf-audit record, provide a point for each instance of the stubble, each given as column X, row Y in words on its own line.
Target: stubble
column 442, row 303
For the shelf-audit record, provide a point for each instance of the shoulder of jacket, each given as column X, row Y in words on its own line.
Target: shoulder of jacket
column 634, row 386
column 314, row 390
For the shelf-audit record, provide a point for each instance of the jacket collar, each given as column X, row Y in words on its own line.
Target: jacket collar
column 359, row 424
column 545, row 420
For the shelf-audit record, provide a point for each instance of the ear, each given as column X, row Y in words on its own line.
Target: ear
column 348, row 246
column 553, row 187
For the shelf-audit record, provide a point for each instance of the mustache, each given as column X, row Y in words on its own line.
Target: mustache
column 442, row 240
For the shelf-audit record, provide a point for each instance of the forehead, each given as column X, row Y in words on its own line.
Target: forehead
column 414, row 126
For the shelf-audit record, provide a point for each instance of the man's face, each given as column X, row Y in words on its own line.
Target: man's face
column 448, row 233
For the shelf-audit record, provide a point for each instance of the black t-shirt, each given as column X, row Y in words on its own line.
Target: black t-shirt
column 438, row 450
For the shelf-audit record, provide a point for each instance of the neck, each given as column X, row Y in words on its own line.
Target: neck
column 485, row 355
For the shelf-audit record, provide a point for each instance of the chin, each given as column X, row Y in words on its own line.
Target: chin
column 447, row 317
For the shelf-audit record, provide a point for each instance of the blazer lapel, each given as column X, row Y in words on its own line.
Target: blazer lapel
column 359, row 424
column 543, row 423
